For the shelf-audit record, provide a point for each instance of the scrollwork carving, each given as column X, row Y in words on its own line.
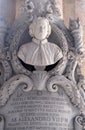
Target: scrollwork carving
column 9, row 87
column 69, row 87
column 79, row 123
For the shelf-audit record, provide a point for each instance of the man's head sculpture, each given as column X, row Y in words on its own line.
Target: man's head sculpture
column 40, row 28
column 40, row 52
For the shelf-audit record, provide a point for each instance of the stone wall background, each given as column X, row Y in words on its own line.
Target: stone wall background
column 8, row 10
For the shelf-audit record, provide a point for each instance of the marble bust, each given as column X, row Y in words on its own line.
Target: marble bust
column 40, row 52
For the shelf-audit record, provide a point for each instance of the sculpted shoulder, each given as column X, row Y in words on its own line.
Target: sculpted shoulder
column 25, row 50
column 27, row 46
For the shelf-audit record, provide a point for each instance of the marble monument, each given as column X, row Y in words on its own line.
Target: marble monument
column 41, row 84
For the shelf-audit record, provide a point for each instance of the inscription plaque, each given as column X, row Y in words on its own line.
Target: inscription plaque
column 38, row 110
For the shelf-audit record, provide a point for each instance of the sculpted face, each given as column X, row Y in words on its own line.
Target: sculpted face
column 41, row 30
